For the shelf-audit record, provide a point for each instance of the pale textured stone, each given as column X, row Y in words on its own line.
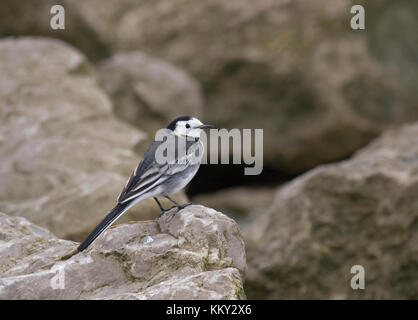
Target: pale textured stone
column 196, row 253
column 362, row 211
column 318, row 88
column 64, row 157
column 147, row 92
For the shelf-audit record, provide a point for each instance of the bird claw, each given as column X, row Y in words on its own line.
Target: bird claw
column 165, row 210
column 179, row 207
column 182, row 206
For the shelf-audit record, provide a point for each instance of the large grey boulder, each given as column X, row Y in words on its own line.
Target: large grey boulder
column 64, row 157
column 296, row 68
column 362, row 211
column 243, row 204
column 196, row 253
column 33, row 18
column 318, row 88
column 147, row 92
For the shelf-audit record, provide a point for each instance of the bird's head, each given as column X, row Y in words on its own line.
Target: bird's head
column 187, row 126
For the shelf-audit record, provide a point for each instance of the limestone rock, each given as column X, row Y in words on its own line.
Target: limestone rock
column 196, row 253
column 147, row 92
column 319, row 89
column 243, row 204
column 33, row 18
column 64, row 158
column 362, row 211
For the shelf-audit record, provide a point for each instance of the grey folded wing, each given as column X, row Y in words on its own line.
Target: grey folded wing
column 150, row 174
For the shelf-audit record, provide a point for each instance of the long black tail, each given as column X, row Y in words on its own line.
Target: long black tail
column 111, row 217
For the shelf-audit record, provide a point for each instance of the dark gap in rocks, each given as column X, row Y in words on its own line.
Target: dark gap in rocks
column 212, row 178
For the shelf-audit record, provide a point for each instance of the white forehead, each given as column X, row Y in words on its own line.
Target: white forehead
column 193, row 122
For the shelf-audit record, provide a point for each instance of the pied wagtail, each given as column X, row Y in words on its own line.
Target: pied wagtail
column 152, row 178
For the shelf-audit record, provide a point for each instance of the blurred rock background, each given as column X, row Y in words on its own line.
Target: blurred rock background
column 78, row 106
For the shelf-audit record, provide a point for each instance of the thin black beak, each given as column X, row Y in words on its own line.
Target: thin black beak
column 203, row 126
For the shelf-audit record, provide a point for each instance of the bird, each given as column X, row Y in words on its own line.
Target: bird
column 154, row 178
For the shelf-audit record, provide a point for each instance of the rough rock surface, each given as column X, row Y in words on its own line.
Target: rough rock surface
column 243, row 204
column 33, row 18
column 318, row 88
column 64, row 158
column 363, row 211
column 196, row 253
column 293, row 67
column 147, row 92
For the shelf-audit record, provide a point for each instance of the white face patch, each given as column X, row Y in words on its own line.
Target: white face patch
column 188, row 128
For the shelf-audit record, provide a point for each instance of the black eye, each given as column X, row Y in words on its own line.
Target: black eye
column 187, row 125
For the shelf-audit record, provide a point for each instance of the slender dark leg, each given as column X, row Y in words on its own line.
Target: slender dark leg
column 179, row 206
column 159, row 204
column 162, row 208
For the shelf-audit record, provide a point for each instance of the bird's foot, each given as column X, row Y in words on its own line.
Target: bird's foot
column 165, row 210
column 182, row 206
column 178, row 206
